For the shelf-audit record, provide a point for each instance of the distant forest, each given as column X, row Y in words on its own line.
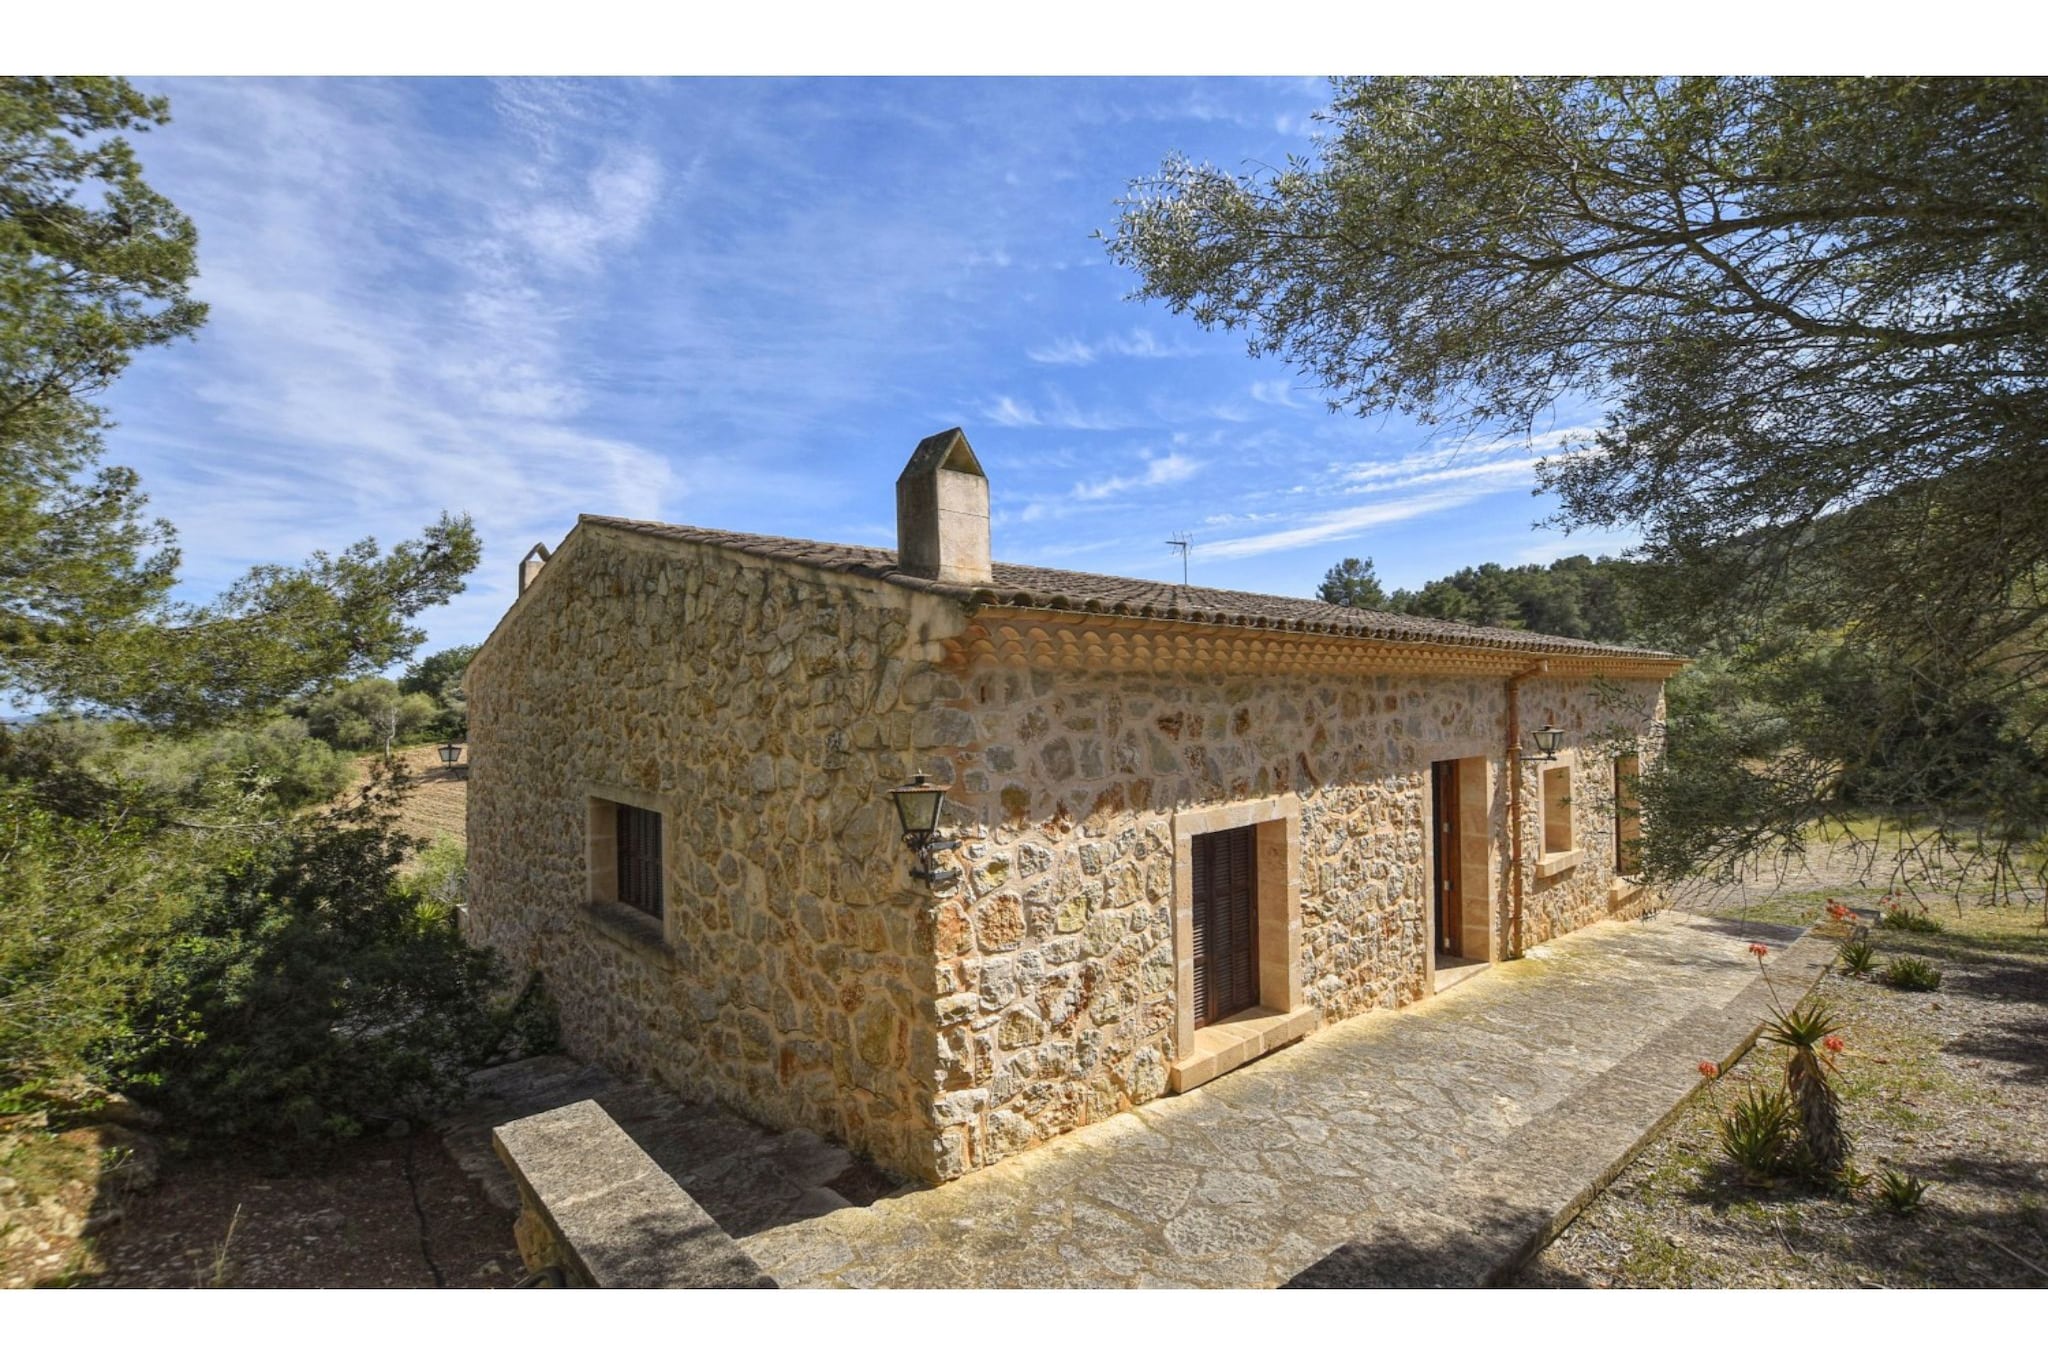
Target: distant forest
column 1577, row 596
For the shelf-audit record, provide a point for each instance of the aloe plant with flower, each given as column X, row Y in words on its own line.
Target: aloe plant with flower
column 1810, row 1035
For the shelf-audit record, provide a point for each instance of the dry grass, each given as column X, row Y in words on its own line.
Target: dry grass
column 1945, row 1086
column 437, row 801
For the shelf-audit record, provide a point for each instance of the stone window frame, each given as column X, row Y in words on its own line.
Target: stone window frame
column 1282, row 1014
column 635, row 928
column 1555, row 816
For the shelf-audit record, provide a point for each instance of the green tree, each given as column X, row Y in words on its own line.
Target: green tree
column 94, row 266
column 1577, row 596
column 1352, row 583
column 1810, row 310
column 370, row 712
column 440, row 676
column 435, row 673
column 165, row 922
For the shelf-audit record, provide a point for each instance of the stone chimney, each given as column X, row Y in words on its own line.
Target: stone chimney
column 530, row 567
column 942, row 512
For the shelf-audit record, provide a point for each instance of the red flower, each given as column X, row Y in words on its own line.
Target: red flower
column 1851, row 916
column 1833, row 1043
column 1759, row 950
column 1838, row 910
column 1709, row 1070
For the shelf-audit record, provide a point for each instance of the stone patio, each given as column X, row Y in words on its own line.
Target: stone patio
column 1438, row 1145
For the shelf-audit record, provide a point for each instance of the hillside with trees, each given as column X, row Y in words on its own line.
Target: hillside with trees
column 1577, row 596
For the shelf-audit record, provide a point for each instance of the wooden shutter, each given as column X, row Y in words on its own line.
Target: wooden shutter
column 1225, row 923
column 639, row 840
column 1204, row 940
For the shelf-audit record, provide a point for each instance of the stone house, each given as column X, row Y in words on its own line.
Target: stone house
column 1193, row 825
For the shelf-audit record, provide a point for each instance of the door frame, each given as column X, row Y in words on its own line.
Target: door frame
column 1479, row 890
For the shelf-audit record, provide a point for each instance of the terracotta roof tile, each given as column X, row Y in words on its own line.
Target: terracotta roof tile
column 1022, row 585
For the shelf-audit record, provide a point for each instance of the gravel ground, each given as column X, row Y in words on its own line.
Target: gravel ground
column 1947, row 1086
column 377, row 1213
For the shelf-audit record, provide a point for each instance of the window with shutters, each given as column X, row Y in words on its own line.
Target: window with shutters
column 1237, row 945
column 625, row 854
column 1557, row 809
column 1628, row 820
column 1226, row 924
column 639, row 854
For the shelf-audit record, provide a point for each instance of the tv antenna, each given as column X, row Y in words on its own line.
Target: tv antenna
column 1182, row 542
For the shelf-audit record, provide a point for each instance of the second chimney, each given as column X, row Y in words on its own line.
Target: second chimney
column 942, row 512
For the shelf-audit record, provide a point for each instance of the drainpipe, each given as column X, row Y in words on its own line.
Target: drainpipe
column 1515, row 803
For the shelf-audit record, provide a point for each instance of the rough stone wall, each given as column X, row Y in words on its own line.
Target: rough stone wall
column 1055, row 958
column 765, row 709
column 1595, row 720
column 804, row 978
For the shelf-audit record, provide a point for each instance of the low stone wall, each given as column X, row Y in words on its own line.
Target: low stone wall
column 595, row 1207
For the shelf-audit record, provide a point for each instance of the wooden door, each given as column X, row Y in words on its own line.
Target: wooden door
column 1226, row 923
column 1443, row 806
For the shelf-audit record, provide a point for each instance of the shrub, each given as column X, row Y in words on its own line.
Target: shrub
column 80, row 895
column 1911, row 921
column 1757, row 1133
column 1900, row 1194
column 308, row 993
column 1911, row 974
column 439, row 875
column 1858, row 957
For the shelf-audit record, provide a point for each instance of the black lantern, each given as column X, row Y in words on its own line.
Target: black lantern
column 450, row 753
column 1546, row 741
column 917, row 809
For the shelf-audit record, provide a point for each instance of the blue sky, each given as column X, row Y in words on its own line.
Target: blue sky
column 740, row 303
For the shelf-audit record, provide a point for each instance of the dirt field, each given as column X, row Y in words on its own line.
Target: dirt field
column 438, row 800
column 1946, row 1086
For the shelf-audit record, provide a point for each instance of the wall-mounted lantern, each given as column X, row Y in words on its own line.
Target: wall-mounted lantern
column 451, row 754
column 1546, row 741
column 917, row 809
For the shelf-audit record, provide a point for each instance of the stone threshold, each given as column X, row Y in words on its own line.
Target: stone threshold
column 1454, row 971
column 1229, row 1043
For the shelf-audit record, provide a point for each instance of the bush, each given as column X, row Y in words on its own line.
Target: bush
column 1911, row 921
column 1858, row 957
column 80, row 896
column 1911, row 974
column 308, row 993
column 439, row 875
column 275, row 762
column 1756, row 1135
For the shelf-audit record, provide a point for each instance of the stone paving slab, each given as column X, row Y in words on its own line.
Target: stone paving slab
column 1437, row 1145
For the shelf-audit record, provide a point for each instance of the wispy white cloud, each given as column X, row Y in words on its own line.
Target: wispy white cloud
column 1318, row 530
column 393, row 327
column 1058, row 412
column 1137, row 344
column 1276, row 392
column 1429, row 481
column 1159, row 471
column 1008, row 412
